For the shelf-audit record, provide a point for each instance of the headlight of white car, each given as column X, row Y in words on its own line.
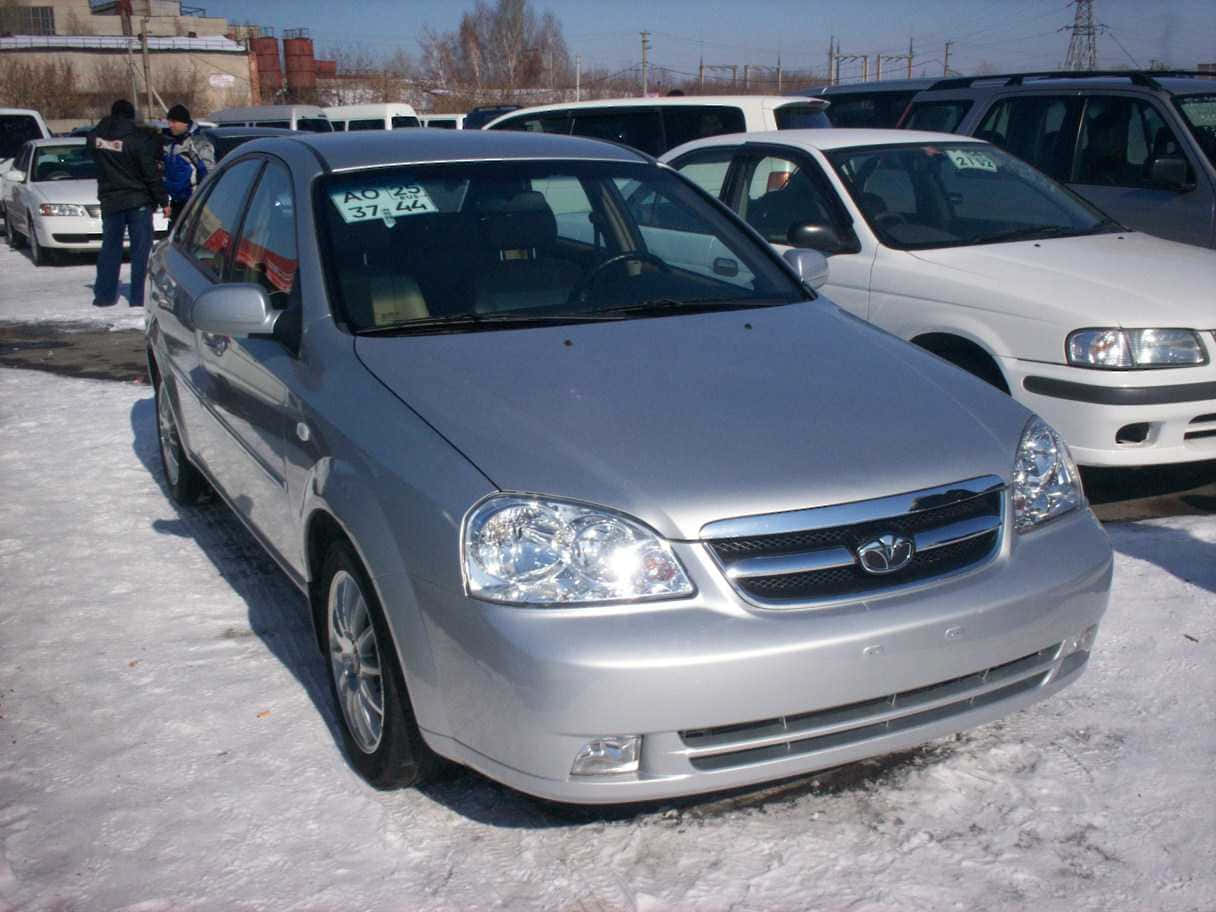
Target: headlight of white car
column 68, row 209
column 1123, row 349
column 1046, row 482
column 523, row 550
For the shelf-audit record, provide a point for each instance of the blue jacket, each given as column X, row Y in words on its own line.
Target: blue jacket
column 188, row 158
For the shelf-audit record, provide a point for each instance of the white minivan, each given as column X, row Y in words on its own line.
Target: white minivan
column 654, row 125
column 17, row 127
column 385, row 116
column 306, row 118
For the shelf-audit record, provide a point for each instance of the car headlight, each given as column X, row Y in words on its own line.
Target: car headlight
column 1124, row 349
column 1046, row 482
column 69, row 209
column 523, row 550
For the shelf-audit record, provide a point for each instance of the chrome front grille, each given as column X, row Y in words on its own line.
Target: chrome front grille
column 764, row 740
column 809, row 556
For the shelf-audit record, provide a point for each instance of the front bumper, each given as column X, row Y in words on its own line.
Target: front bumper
column 1175, row 408
column 729, row 695
column 84, row 234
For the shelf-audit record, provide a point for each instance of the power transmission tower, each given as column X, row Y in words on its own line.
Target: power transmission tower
column 1083, row 46
column 645, row 48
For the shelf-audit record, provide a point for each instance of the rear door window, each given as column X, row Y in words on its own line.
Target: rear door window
column 211, row 236
column 639, row 128
column 318, row 125
column 1121, row 137
column 684, row 123
column 402, row 122
column 708, row 168
column 1040, row 129
column 937, row 116
column 281, row 124
column 373, row 123
column 552, row 122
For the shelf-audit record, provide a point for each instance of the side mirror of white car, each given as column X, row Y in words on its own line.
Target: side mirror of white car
column 234, row 310
column 810, row 265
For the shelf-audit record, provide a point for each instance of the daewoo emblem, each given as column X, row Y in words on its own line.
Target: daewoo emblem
column 886, row 554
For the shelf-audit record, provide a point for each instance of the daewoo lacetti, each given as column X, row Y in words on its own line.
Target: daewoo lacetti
column 605, row 510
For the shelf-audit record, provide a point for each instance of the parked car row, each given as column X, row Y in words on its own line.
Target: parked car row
column 1140, row 145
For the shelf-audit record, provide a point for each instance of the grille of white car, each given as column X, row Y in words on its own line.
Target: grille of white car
column 805, row 557
column 765, row 740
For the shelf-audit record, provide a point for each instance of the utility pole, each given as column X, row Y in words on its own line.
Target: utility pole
column 645, row 48
column 745, row 72
column 143, row 40
column 832, row 60
column 1083, row 46
column 701, row 72
column 778, row 74
column 578, row 76
column 946, row 59
column 909, row 58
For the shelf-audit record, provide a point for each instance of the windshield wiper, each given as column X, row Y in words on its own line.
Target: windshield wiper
column 689, row 305
column 457, row 322
column 1031, row 232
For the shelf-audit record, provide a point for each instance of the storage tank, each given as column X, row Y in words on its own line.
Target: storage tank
column 270, row 74
column 300, row 63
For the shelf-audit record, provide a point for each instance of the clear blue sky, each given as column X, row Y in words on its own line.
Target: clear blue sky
column 1004, row 34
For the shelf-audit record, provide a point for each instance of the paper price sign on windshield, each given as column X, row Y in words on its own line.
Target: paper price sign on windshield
column 361, row 204
column 967, row 159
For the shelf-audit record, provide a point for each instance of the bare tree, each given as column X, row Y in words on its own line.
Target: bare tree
column 497, row 51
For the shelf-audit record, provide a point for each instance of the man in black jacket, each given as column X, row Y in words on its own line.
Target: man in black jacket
column 129, row 188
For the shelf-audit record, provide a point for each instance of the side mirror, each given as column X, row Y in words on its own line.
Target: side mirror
column 811, row 266
column 234, row 310
column 1171, row 173
column 817, row 236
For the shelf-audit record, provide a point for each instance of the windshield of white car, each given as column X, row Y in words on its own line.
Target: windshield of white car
column 1199, row 112
column 472, row 246
column 927, row 195
column 55, row 163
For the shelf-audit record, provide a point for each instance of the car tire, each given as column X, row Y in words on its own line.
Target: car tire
column 185, row 483
column 379, row 730
column 39, row 255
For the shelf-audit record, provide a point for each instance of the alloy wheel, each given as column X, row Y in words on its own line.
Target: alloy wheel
column 354, row 655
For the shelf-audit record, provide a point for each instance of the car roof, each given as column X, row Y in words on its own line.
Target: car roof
column 833, row 138
column 267, row 111
column 240, row 130
column 1174, row 82
column 870, row 88
column 349, row 151
column 742, row 101
column 59, row 141
column 354, row 110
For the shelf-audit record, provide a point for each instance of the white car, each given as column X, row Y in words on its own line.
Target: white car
column 961, row 248
column 50, row 200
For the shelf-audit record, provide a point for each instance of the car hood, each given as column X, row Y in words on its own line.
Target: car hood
column 1127, row 279
column 83, row 192
column 687, row 419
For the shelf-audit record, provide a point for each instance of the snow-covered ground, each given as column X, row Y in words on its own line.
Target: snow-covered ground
column 167, row 740
column 61, row 293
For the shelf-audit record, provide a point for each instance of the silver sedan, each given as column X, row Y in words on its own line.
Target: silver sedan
column 587, row 487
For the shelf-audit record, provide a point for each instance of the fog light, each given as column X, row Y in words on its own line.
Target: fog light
column 608, row 755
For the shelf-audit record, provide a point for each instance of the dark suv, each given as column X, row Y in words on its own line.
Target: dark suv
column 1139, row 145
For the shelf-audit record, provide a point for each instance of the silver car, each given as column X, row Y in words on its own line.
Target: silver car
column 586, row 486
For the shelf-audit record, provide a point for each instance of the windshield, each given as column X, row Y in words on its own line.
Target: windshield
column 1199, row 112
column 53, row 163
column 490, row 244
column 919, row 196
